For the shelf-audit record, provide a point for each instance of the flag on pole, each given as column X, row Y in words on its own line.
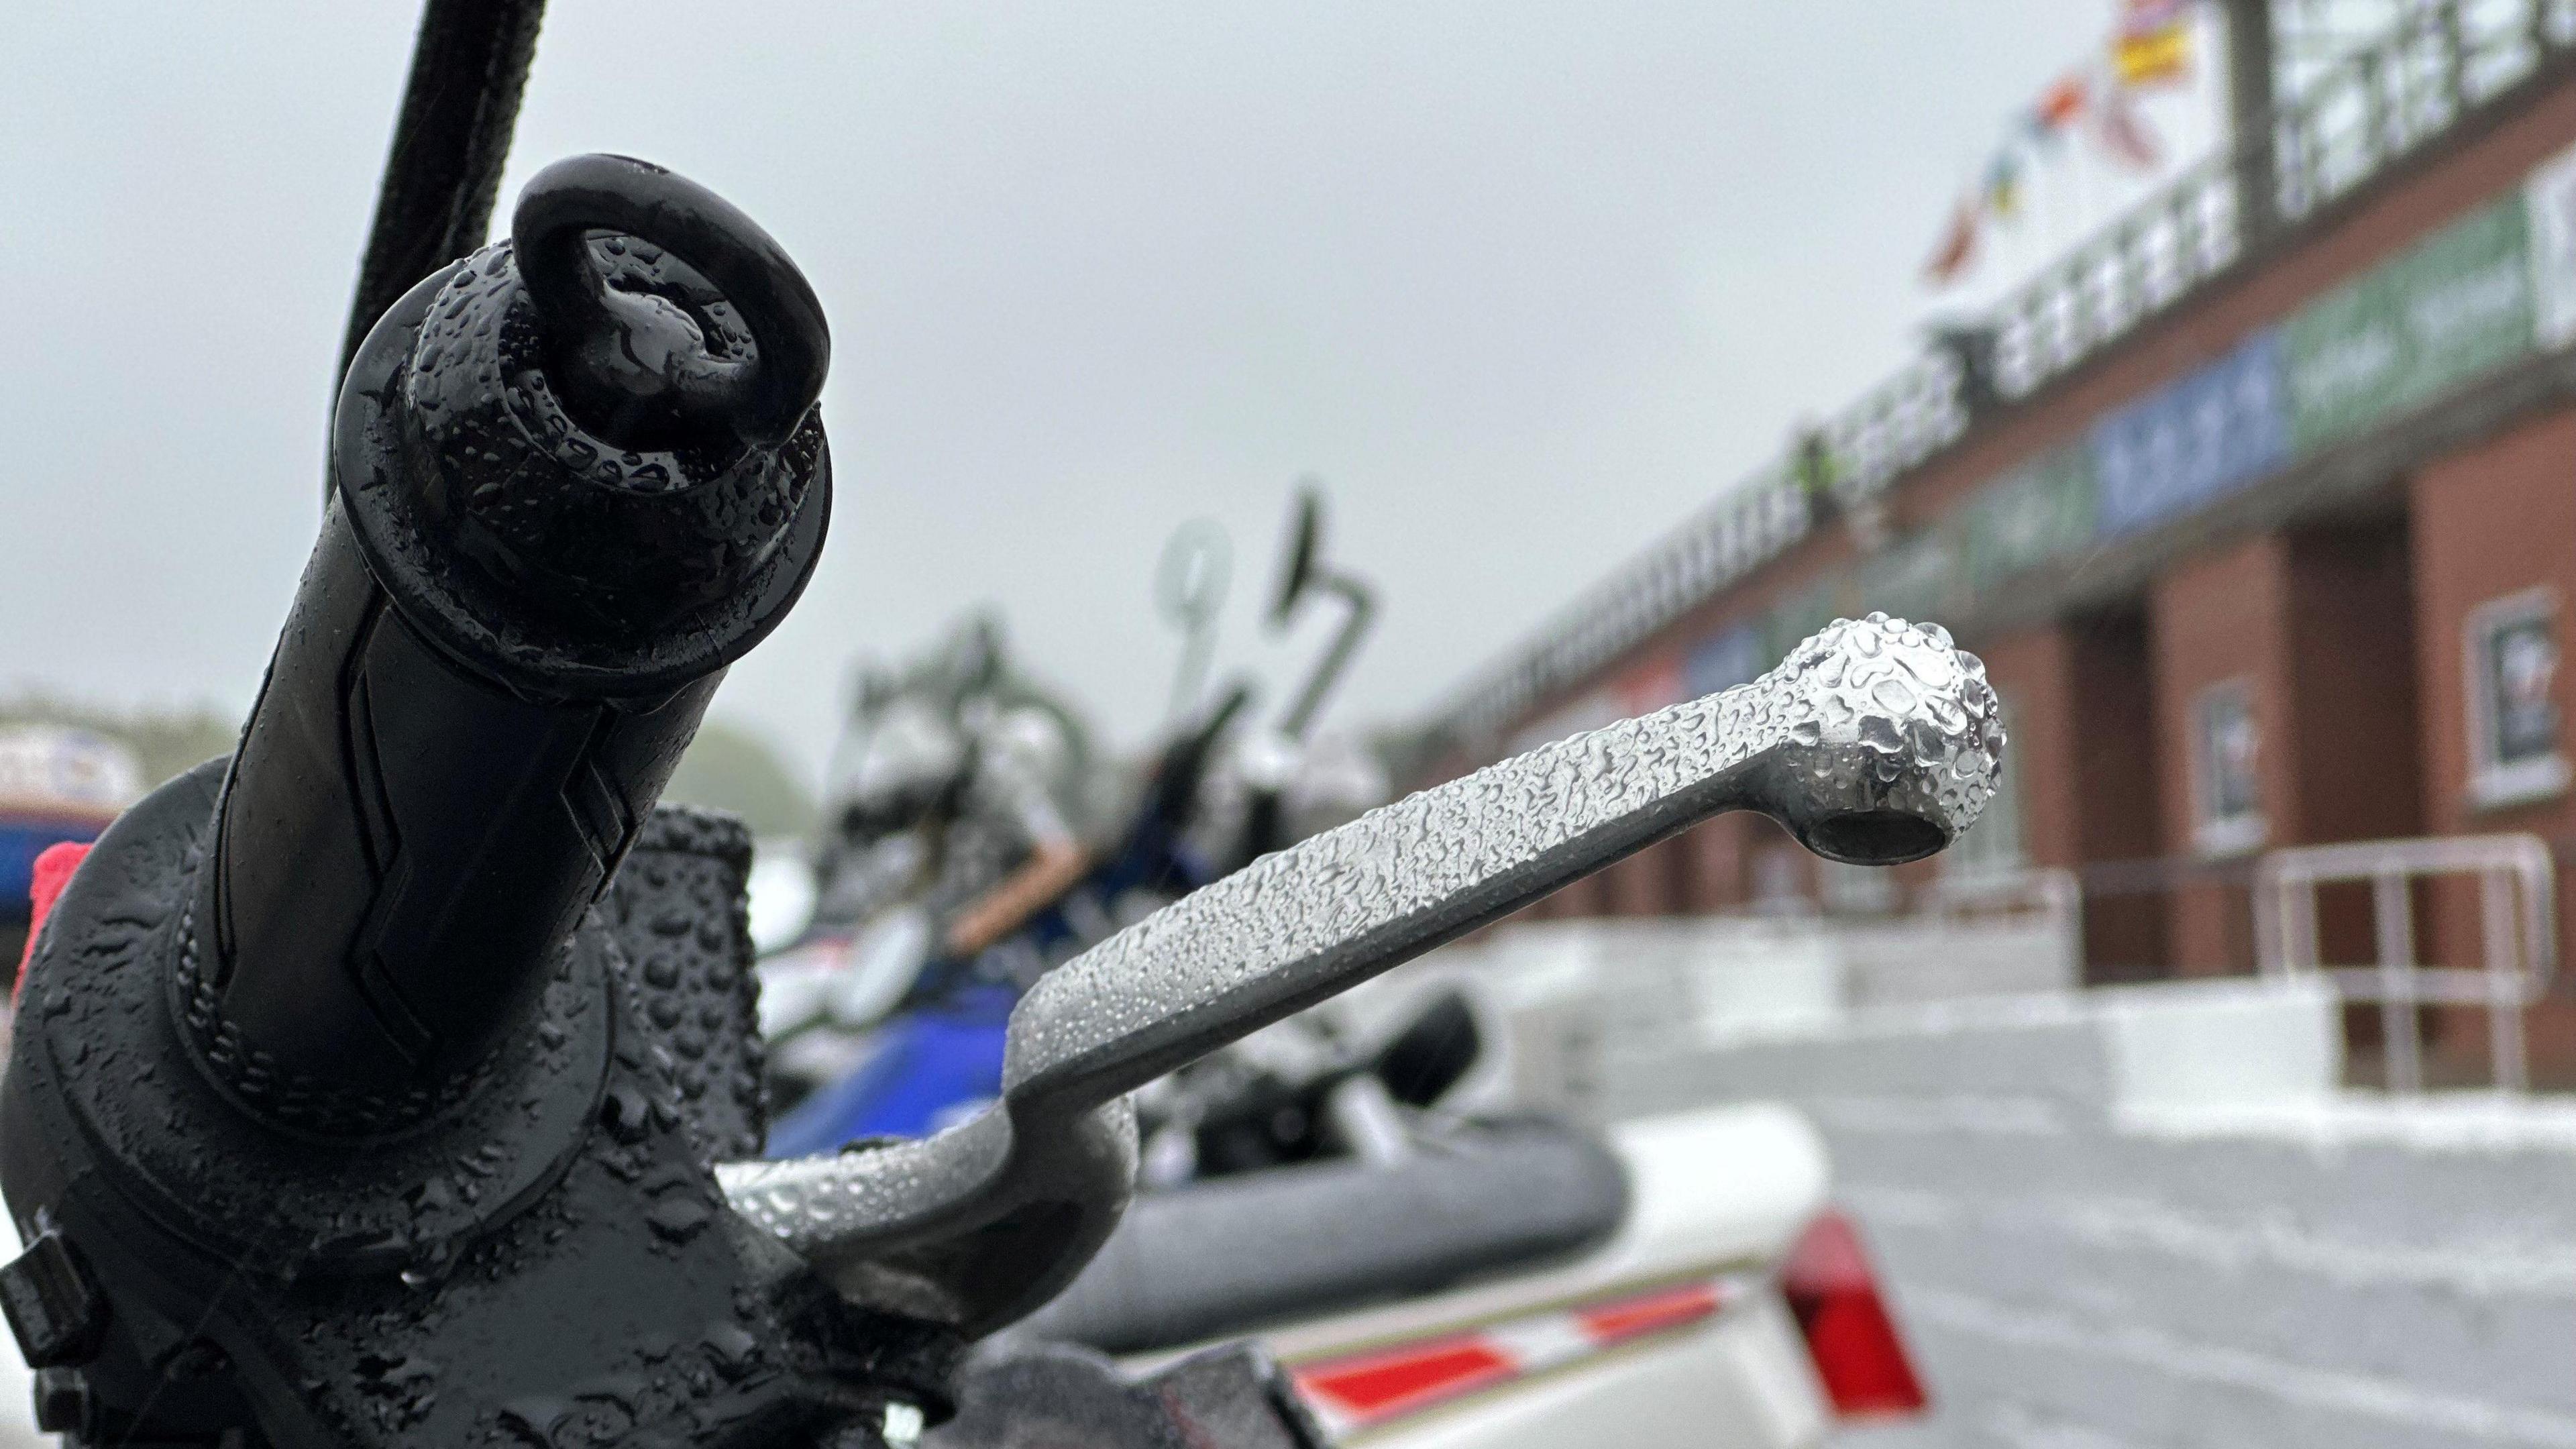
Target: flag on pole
column 2003, row 184
column 2060, row 106
column 2152, row 47
column 1958, row 245
column 2125, row 133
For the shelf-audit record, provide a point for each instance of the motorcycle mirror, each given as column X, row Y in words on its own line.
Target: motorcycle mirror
column 1190, row 582
column 975, row 654
column 1297, row 564
column 1303, row 572
column 1874, row 743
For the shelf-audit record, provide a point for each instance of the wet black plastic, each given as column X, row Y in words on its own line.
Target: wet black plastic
column 469, row 64
column 626, row 384
column 1235, row 1396
column 1228, row 1254
column 368, row 1086
column 506, row 637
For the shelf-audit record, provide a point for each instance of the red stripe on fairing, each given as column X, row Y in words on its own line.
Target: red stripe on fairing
column 1652, row 1313
column 1372, row 1388
column 1383, row 1385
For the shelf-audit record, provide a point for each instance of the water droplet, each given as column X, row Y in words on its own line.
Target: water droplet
column 626, row 1112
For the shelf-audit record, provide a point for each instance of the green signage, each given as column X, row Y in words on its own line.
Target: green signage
column 1914, row 579
column 1804, row 612
column 2037, row 512
column 2452, row 305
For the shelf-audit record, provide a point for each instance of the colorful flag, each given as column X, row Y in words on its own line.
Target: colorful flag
column 2150, row 48
column 2059, row 106
column 1958, row 246
column 2003, row 184
column 2153, row 44
column 2125, row 133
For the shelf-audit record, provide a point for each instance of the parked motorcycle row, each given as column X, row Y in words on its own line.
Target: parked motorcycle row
column 1354, row 1186
column 407, row 1077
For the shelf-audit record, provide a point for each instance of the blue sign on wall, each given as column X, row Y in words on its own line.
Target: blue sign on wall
column 1723, row 660
column 2194, row 441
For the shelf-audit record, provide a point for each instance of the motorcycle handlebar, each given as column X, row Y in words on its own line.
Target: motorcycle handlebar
column 507, row 633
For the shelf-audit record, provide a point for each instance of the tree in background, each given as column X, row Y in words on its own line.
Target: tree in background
column 733, row 767
column 166, row 741
column 730, row 767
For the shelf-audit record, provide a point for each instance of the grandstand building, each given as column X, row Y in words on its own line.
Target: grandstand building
column 2261, row 510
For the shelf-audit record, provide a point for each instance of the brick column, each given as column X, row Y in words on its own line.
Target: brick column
column 2220, row 621
column 1645, row 884
column 2083, row 760
column 2314, row 630
column 1716, row 872
column 2495, row 534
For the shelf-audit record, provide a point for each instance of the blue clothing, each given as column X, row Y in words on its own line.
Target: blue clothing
column 927, row 1065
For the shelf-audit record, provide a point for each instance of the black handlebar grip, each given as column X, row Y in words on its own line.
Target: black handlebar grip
column 570, row 485
column 633, row 394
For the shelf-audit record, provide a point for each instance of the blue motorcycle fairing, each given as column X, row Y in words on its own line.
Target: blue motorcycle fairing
column 927, row 1065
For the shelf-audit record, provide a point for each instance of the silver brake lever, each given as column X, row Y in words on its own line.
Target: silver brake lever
column 1875, row 742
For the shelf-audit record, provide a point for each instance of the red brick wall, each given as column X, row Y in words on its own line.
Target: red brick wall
column 2491, row 521
column 2356, row 772
column 2219, row 617
column 2357, row 766
column 1645, row 884
column 2115, row 755
column 2034, row 672
column 2415, row 203
column 2083, row 756
column 2357, row 687
column 1718, row 864
column 2125, row 930
column 2319, row 624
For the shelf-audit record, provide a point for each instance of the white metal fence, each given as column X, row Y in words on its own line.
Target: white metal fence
column 2516, row 884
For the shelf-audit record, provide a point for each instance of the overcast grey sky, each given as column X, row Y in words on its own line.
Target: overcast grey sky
column 1524, row 283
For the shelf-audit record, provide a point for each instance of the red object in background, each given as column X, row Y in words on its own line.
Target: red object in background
column 1627, row 1318
column 1958, row 246
column 54, row 867
column 2126, row 134
column 1390, row 1385
column 1371, row 1388
column 2061, row 103
column 1653, row 685
column 1849, row 1332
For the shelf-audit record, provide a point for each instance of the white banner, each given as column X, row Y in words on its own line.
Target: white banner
column 2550, row 197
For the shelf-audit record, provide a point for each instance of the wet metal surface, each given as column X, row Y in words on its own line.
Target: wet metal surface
column 1875, row 741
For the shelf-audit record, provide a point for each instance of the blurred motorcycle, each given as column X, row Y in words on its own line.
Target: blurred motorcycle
column 1431, row 1270
column 1431, row 1276
column 953, row 880
column 960, row 789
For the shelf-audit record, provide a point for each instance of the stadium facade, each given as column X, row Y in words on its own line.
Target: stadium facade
column 2261, row 510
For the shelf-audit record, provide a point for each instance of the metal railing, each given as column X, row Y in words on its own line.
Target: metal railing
column 2350, row 123
column 2518, row 924
column 2052, row 892
column 2435, row 69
